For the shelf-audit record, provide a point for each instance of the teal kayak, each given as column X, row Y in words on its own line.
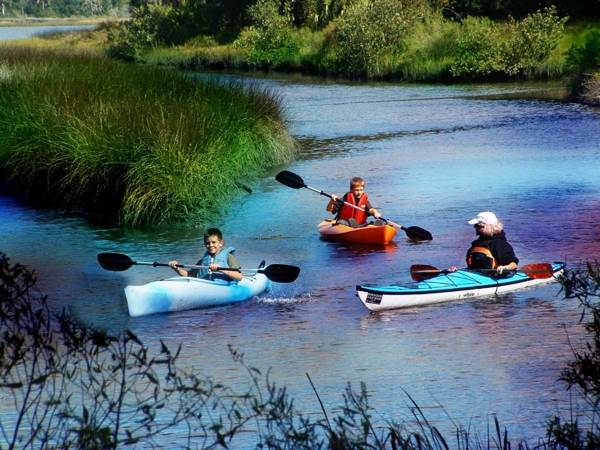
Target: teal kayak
column 445, row 287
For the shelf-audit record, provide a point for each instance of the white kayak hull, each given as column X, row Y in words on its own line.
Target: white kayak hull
column 182, row 293
column 460, row 285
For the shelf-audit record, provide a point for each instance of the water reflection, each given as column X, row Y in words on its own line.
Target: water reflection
column 9, row 33
column 432, row 163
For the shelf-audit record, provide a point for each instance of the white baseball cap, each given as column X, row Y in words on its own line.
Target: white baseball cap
column 486, row 217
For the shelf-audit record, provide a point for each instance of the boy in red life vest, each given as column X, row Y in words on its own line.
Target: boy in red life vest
column 490, row 250
column 347, row 214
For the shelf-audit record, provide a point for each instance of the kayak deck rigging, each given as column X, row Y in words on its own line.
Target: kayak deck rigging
column 462, row 284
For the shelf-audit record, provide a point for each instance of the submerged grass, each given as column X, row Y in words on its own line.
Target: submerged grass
column 138, row 145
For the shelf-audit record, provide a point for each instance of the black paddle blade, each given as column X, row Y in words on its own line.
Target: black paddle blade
column 290, row 179
column 116, row 262
column 281, row 273
column 418, row 233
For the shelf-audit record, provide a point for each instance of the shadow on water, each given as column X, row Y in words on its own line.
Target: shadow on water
column 433, row 162
column 343, row 248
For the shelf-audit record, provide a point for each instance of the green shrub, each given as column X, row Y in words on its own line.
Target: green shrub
column 533, row 39
column 585, row 56
column 429, row 49
column 478, row 50
column 372, row 32
column 270, row 40
column 150, row 25
column 509, row 49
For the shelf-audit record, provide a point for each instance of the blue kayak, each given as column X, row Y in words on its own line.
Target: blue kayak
column 445, row 287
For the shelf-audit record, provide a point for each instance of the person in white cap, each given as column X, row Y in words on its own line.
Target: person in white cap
column 490, row 250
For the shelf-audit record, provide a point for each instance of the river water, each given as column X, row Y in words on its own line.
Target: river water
column 432, row 156
column 8, row 33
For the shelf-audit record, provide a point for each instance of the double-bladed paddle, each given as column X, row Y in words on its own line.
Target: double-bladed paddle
column 117, row 262
column 290, row 179
column 420, row 272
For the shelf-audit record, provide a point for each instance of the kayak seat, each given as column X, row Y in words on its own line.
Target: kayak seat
column 351, row 222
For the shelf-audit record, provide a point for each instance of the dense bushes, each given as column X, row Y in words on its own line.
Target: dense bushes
column 372, row 34
column 585, row 57
column 507, row 49
column 271, row 39
column 583, row 60
column 376, row 39
column 148, row 26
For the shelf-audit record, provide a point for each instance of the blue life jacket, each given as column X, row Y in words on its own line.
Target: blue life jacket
column 220, row 259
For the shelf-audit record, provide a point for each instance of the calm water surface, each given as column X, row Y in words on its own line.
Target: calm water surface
column 433, row 156
column 9, row 33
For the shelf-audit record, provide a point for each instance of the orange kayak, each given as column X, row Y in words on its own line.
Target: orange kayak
column 330, row 230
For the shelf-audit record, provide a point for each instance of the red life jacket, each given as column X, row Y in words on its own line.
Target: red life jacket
column 346, row 211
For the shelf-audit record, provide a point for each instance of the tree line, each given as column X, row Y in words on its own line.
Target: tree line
column 232, row 15
column 62, row 8
column 316, row 14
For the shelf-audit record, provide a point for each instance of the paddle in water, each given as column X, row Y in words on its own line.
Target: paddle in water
column 290, row 179
column 420, row 272
column 117, row 262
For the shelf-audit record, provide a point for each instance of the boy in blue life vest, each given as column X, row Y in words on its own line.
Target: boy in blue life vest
column 490, row 250
column 215, row 257
column 347, row 214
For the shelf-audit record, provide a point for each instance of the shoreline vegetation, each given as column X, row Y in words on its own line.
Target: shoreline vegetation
column 130, row 394
column 130, row 144
column 112, row 144
column 421, row 41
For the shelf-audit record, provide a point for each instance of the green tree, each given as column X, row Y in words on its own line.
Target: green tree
column 513, row 48
column 372, row 31
column 503, row 9
column 270, row 39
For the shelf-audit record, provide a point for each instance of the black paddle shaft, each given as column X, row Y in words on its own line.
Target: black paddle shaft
column 118, row 262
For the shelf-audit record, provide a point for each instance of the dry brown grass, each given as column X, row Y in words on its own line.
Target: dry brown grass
column 591, row 89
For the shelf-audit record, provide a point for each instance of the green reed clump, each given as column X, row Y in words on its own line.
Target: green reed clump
column 140, row 145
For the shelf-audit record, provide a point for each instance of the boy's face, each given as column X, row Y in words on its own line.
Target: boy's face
column 213, row 244
column 358, row 190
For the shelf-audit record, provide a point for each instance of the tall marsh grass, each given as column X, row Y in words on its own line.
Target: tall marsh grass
column 138, row 145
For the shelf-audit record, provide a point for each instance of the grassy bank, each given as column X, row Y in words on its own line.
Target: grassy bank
column 134, row 145
column 419, row 42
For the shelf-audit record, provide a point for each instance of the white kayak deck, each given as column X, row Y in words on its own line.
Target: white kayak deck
column 181, row 293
